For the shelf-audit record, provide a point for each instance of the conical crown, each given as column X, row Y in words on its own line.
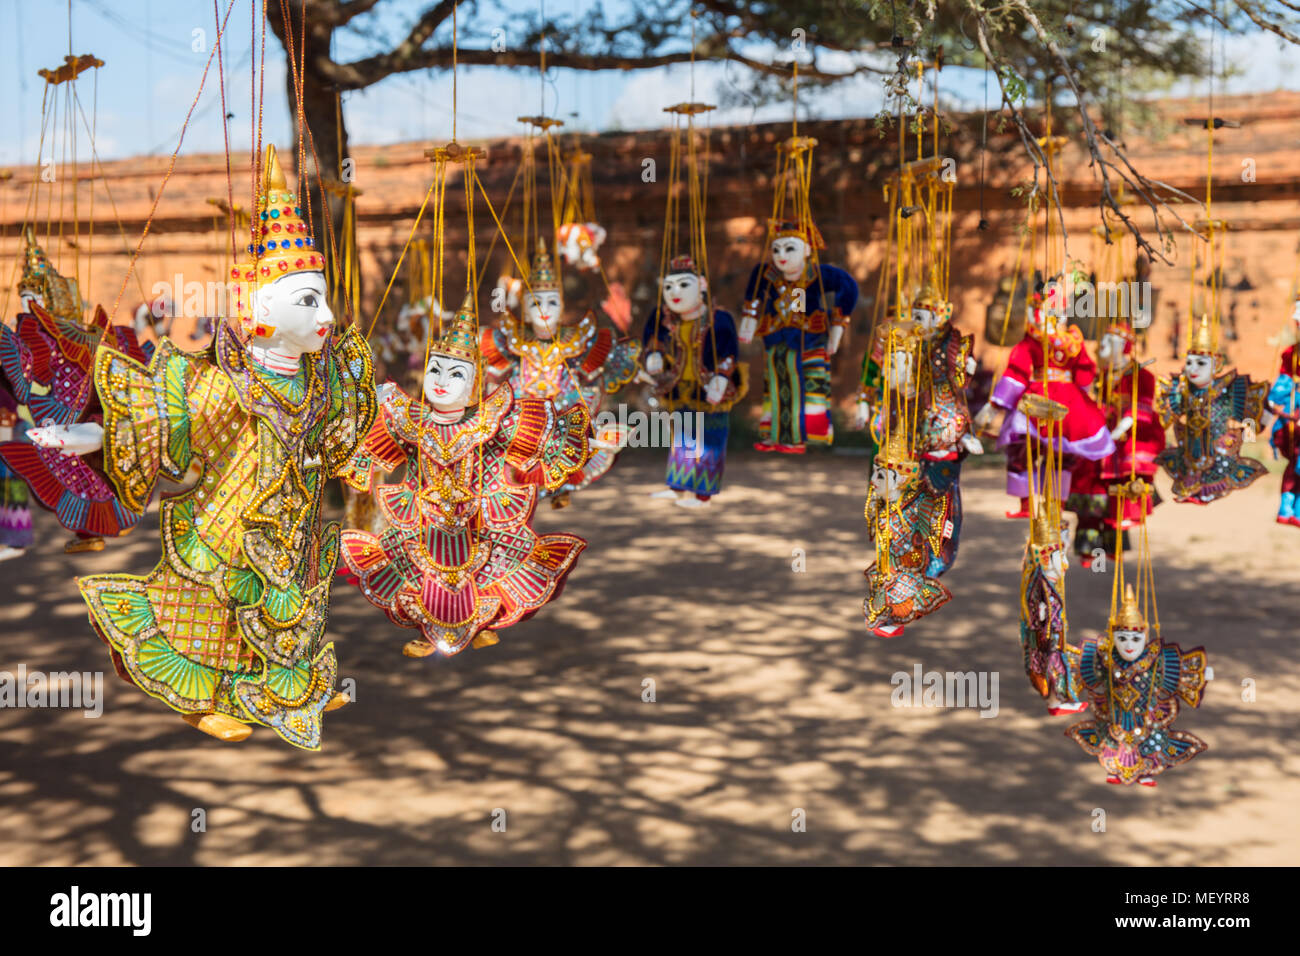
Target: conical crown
column 543, row 278
column 460, row 340
column 1043, row 531
column 1204, row 341
column 1129, row 617
column 897, row 454
column 283, row 243
column 928, row 298
column 60, row 295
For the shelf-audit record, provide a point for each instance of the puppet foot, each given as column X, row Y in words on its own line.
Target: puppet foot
column 340, row 699
column 663, row 494
column 1114, row 779
column 77, row 545
column 1295, row 520
column 1067, row 707
column 560, row 501
column 887, row 630
column 764, row 446
column 418, row 648
column 7, row 552
column 220, row 726
column 692, row 501
column 485, row 638
column 791, row 449
column 1023, row 512
column 1147, row 781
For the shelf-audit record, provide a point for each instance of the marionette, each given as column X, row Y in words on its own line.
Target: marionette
column 579, row 244
column 460, row 560
column 913, row 532
column 1135, row 683
column 1139, row 436
column 566, row 365
column 694, row 360
column 1050, row 360
column 1208, row 405
column 800, row 308
column 1044, row 627
column 47, row 358
column 229, row 628
column 1284, row 402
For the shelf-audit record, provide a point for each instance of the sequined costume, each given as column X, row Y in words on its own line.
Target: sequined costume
column 460, row 555
column 1134, row 706
column 794, row 320
column 1205, row 460
column 1044, row 630
column 15, row 511
column 914, row 545
column 47, row 359
column 694, row 352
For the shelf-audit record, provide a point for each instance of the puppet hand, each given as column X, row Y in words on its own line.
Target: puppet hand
column 1121, row 428
column 386, row 392
column 716, row 388
column 654, row 363
column 971, row 365
column 79, row 439
column 833, row 343
column 972, row 444
column 748, row 326
column 861, row 415
column 618, row 307
column 984, row 418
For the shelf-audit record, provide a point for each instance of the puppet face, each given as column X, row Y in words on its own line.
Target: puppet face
column 684, row 292
column 1111, row 350
column 448, row 382
column 1130, row 644
column 927, row 319
column 295, row 309
column 1199, row 368
column 1055, row 564
column 888, row 482
column 789, row 254
column 27, row 297
column 542, row 310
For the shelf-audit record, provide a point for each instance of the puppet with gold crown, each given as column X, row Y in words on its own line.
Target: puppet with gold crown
column 229, row 628
column 566, row 365
column 693, row 358
column 1208, row 405
column 800, row 308
column 1126, row 392
column 1136, row 683
column 46, row 360
column 1284, row 403
column 913, row 530
column 460, row 560
column 1044, row 628
column 1050, row 361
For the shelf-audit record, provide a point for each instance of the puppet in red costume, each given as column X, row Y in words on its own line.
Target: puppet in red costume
column 1069, row 373
column 1139, row 438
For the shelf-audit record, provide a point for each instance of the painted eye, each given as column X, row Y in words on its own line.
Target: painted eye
column 309, row 300
column 457, row 373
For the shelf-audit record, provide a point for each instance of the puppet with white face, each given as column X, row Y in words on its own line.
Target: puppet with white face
column 913, row 529
column 542, row 357
column 1136, row 684
column 691, row 360
column 800, row 308
column 1209, row 407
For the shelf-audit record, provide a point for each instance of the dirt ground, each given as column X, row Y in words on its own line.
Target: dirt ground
column 772, row 705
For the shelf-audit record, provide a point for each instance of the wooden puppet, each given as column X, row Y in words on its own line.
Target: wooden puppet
column 1284, row 403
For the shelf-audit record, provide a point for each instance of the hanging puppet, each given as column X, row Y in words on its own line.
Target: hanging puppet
column 694, row 360
column 15, row 512
column 565, row 365
column 1284, row 402
column 1208, row 405
column 912, row 528
column 1103, row 519
column 229, row 628
column 800, row 308
column 1044, row 627
column 460, row 560
column 1136, row 683
column 1050, row 360
column 47, row 358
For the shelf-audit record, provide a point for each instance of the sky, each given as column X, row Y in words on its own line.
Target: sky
column 139, row 100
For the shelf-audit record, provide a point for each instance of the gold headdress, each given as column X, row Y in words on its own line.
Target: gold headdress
column 786, row 228
column 897, row 456
column 1129, row 617
column 460, row 340
column 930, row 300
column 1044, row 532
column 543, row 278
column 284, row 245
column 1204, row 338
column 60, row 295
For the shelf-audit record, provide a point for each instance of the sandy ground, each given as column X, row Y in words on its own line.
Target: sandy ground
column 771, row 703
